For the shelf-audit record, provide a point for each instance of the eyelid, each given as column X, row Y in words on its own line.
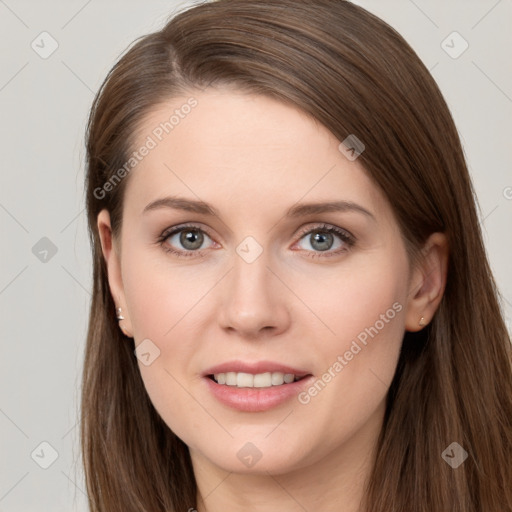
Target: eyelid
column 327, row 227
column 181, row 227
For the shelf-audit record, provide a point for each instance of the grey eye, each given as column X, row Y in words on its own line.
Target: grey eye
column 189, row 239
column 321, row 241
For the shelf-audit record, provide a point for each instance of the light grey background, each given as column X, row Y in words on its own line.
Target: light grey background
column 44, row 103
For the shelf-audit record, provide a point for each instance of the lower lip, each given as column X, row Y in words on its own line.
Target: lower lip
column 256, row 399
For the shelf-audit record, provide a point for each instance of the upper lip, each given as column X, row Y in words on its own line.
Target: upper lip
column 254, row 367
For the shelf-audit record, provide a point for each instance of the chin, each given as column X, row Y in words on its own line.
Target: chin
column 256, row 455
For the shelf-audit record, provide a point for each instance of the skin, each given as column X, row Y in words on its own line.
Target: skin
column 252, row 158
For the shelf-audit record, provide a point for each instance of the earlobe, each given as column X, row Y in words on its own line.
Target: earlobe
column 113, row 264
column 428, row 283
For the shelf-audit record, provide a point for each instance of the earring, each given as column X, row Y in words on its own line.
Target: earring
column 422, row 322
column 119, row 314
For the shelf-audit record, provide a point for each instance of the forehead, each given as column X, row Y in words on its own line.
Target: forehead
column 250, row 150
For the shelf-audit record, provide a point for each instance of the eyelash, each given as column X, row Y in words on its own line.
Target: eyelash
column 346, row 237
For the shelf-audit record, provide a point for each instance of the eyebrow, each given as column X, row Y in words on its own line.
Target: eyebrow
column 298, row 210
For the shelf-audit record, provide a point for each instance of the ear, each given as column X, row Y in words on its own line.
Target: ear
column 427, row 283
column 111, row 253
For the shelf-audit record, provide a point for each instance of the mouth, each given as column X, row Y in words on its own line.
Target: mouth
column 255, row 386
column 258, row 380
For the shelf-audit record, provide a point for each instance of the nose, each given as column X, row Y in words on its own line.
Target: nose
column 255, row 303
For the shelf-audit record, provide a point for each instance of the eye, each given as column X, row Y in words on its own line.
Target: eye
column 322, row 239
column 188, row 239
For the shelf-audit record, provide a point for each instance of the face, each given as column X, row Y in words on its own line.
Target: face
column 298, row 311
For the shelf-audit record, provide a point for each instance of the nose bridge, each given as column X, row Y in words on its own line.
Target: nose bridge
column 252, row 275
column 249, row 280
column 252, row 301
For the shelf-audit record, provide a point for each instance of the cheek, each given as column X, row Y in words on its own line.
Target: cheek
column 161, row 306
column 167, row 307
column 371, row 310
column 159, row 297
column 365, row 308
column 359, row 301
column 371, row 322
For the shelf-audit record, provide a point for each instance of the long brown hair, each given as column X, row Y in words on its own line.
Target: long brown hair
column 356, row 75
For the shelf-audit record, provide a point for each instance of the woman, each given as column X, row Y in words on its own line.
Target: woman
column 292, row 305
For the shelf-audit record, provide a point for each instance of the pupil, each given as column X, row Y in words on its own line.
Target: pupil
column 322, row 239
column 191, row 239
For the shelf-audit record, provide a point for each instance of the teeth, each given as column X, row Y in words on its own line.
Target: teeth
column 231, row 379
column 260, row 380
column 288, row 378
column 244, row 380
